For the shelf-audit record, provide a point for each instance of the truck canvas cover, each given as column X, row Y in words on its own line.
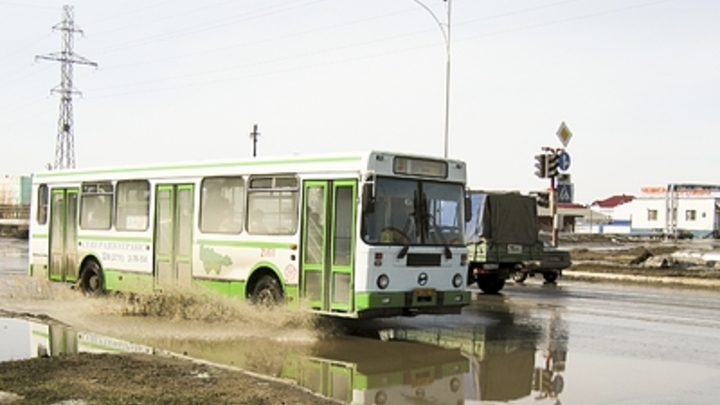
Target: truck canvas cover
column 500, row 218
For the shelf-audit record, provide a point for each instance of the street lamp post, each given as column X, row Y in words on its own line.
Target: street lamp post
column 445, row 28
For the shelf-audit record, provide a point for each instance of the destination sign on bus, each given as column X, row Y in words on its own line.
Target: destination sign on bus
column 420, row 167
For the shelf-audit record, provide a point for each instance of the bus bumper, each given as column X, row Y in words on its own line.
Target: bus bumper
column 374, row 304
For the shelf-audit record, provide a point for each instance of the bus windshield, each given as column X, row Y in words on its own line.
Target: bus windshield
column 414, row 212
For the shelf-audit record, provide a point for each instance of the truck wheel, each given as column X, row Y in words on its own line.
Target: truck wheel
column 491, row 285
column 519, row 276
column 550, row 276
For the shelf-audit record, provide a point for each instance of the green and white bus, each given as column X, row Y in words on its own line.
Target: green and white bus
column 353, row 235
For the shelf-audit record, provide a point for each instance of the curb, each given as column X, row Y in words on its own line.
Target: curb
column 695, row 282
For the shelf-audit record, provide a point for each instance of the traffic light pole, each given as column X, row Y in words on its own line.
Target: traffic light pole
column 551, row 173
column 553, row 212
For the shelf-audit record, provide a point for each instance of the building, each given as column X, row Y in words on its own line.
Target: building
column 15, row 190
column 678, row 209
column 572, row 217
column 612, row 215
column 15, row 193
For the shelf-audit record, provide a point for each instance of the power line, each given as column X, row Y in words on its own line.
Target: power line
column 214, row 25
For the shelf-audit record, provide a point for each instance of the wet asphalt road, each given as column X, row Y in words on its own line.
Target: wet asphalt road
column 572, row 343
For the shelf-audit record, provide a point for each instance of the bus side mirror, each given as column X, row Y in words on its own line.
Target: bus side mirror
column 368, row 202
column 468, row 209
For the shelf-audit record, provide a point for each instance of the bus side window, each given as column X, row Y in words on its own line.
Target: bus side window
column 132, row 210
column 256, row 222
column 96, row 205
column 42, row 204
column 276, row 196
column 222, row 204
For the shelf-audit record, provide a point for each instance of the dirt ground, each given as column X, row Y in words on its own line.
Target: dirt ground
column 144, row 379
column 140, row 379
column 648, row 259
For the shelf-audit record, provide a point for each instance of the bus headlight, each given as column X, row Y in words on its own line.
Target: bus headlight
column 383, row 281
column 457, row 280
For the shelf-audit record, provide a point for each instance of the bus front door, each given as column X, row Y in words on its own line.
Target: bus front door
column 328, row 245
column 173, row 234
column 63, row 234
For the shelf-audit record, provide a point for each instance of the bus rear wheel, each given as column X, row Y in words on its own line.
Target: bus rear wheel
column 267, row 292
column 92, row 281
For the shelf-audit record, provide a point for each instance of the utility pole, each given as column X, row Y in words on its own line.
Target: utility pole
column 254, row 135
column 65, row 144
column 445, row 28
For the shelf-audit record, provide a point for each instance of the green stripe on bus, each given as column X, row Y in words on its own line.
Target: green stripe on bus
column 374, row 300
column 225, row 287
column 115, row 238
column 118, row 280
column 246, row 243
column 330, row 159
column 41, row 334
column 456, row 297
column 367, row 382
column 108, row 349
column 40, row 236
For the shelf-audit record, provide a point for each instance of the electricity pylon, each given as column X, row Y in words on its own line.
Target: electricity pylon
column 65, row 144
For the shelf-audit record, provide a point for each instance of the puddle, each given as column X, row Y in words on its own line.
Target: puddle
column 414, row 369
column 440, row 366
column 13, row 256
column 350, row 370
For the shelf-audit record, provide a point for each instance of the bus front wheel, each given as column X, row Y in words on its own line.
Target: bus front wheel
column 92, row 281
column 267, row 292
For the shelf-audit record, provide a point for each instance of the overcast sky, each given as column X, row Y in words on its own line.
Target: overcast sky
column 636, row 81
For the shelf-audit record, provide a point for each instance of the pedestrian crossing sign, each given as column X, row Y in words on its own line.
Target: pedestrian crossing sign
column 565, row 193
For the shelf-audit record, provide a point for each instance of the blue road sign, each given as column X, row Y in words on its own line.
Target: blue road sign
column 563, row 160
column 565, row 193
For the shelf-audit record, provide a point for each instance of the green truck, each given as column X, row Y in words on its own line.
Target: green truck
column 503, row 239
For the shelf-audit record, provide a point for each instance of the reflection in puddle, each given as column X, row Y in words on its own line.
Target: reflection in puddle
column 462, row 365
column 439, row 366
column 502, row 368
column 351, row 370
column 24, row 339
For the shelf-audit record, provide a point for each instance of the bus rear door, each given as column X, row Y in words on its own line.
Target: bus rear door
column 173, row 234
column 63, row 234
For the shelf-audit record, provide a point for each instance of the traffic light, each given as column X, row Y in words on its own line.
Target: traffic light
column 543, row 199
column 541, row 165
column 552, row 165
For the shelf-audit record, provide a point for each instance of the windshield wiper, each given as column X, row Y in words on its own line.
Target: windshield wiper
column 428, row 222
column 412, row 219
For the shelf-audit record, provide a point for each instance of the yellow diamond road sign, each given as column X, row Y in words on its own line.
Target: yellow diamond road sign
column 564, row 134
